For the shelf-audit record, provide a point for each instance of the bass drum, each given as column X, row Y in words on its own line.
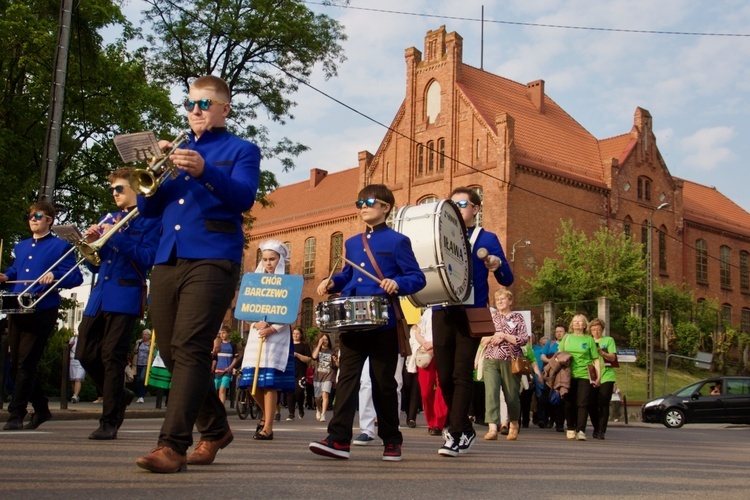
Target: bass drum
column 9, row 303
column 438, row 238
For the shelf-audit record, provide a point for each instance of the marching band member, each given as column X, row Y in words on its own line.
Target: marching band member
column 453, row 346
column 197, row 269
column 393, row 254
column 117, row 301
column 28, row 333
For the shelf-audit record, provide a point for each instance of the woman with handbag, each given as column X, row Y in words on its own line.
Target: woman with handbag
column 502, row 351
column 601, row 396
column 433, row 404
column 585, row 372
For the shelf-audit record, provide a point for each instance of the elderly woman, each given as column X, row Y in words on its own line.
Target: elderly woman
column 582, row 349
column 510, row 335
column 601, row 396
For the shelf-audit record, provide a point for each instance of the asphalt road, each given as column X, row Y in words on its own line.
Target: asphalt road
column 639, row 460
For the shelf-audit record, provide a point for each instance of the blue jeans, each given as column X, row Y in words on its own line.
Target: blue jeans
column 140, row 381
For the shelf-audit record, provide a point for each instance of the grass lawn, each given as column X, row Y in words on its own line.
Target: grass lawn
column 632, row 380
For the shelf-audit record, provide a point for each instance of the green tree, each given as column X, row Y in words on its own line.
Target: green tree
column 107, row 93
column 261, row 48
column 607, row 264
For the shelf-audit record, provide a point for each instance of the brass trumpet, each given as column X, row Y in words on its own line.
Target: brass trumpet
column 89, row 252
column 145, row 181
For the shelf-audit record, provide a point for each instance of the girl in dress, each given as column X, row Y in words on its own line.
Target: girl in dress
column 276, row 371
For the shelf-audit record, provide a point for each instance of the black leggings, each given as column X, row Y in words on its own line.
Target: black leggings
column 577, row 404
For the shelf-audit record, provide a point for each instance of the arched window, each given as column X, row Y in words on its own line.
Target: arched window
column 337, row 250
column 441, row 155
column 308, row 265
column 745, row 320
column 725, row 263
column 420, row 160
column 430, row 157
column 627, row 226
column 432, row 107
column 663, row 249
column 726, row 314
column 701, row 261
column 480, row 192
column 430, row 198
column 258, row 256
column 744, row 271
column 307, row 314
column 644, row 188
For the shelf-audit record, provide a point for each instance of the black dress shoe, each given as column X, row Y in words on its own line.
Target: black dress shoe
column 105, row 432
column 14, row 424
column 411, row 424
column 435, row 431
column 38, row 419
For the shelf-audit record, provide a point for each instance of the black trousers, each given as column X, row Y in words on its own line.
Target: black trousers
column 382, row 349
column 103, row 344
column 296, row 398
column 188, row 302
column 27, row 337
column 454, row 350
column 577, row 404
column 599, row 406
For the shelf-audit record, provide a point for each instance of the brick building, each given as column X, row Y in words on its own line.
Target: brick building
column 534, row 165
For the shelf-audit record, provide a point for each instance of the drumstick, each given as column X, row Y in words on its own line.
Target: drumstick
column 366, row 273
column 150, row 357
column 333, row 268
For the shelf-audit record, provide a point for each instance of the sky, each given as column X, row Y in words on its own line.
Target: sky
column 696, row 87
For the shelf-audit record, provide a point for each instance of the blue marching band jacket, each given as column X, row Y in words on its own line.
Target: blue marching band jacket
column 126, row 259
column 201, row 215
column 33, row 258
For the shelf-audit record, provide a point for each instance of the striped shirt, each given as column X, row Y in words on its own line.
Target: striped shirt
column 512, row 324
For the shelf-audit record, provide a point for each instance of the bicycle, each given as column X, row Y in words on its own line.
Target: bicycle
column 244, row 402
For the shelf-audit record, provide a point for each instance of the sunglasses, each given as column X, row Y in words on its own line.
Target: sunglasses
column 116, row 189
column 203, row 104
column 370, row 202
column 464, row 203
column 36, row 216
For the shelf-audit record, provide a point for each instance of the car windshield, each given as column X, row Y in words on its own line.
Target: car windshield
column 689, row 390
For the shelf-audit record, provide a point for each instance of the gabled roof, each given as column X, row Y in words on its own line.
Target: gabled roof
column 552, row 138
column 705, row 205
column 291, row 205
column 619, row 146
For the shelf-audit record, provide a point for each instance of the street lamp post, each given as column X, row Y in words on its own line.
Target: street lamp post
column 650, row 306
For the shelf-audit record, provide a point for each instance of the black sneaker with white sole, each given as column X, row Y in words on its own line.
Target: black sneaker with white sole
column 329, row 448
column 450, row 448
column 466, row 441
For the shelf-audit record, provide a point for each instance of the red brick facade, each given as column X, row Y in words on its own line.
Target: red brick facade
column 535, row 165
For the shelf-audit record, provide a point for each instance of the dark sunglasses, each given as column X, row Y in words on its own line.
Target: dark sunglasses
column 36, row 216
column 203, row 104
column 370, row 202
column 116, row 189
column 464, row 203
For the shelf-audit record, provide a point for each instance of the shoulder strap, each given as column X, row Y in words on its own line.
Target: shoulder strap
column 394, row 301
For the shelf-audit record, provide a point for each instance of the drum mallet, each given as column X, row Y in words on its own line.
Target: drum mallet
column 483, row 254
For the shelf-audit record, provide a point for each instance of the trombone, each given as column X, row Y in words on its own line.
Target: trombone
column 89, row 252
column 145, row 181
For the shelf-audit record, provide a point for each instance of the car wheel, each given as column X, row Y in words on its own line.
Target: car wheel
column 674, row 418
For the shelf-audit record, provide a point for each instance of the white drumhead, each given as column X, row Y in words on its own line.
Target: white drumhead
column 441, row 248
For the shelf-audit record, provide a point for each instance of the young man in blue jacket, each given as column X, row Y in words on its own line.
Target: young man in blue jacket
column 393, row 254
column 196, row 271
column 117, row 301
column 454, row 347
column 28, row 333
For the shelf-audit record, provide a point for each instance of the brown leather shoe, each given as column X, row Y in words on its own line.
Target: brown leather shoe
column 513, row 432
column 163, row 460
column 205, row 452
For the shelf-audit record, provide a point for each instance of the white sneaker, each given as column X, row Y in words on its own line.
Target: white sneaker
column 322, row 417
column 140, row 400
column 317, row 415
column 580, row 436
column 570, row 434
column 75, row 399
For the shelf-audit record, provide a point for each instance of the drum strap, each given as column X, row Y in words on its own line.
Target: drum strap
column 402, row 329
column 474, row 236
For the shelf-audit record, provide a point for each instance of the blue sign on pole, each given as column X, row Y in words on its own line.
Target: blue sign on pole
column 269, row 297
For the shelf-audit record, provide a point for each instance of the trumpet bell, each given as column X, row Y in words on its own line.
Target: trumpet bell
column 143, row 182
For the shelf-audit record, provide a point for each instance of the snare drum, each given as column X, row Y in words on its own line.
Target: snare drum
column 352, row 313
column 439, row 241
column 9, row 304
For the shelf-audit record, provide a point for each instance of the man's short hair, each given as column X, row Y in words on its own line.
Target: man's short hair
column 43, row 206
column 379, row 191
column 120, row 173
column 473, row 195
column 215, row 83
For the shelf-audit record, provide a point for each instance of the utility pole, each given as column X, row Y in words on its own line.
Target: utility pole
column 57, row 97
column 650, row 305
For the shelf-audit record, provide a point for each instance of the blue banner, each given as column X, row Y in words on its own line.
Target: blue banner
column 269, row 297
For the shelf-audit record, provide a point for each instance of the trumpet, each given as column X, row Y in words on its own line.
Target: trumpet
column 89, row 252
column 145, row 181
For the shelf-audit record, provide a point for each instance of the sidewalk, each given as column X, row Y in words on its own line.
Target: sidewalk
column 91, row 411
